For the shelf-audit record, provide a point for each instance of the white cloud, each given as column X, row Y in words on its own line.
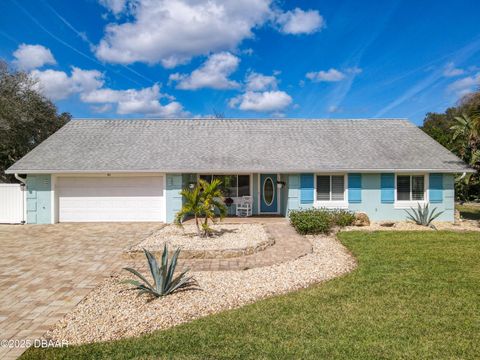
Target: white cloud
column 465, row 85
column 450, row 70
column 28, row 57
column 331, row 75
column 58, row 85
column 115, row 6
column 261, row 94
column 173, row 31
column 299, row 21
column 266, row 101
column 260, row 82
column 213, row 74
column 144, row 101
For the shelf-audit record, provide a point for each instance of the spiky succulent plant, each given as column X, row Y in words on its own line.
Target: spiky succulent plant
column 164, row 282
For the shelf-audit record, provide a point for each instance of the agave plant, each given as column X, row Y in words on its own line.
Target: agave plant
column 163, row 281
column 423, row 216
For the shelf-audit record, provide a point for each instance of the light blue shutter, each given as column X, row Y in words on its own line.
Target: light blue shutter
column 436, row 188
column 387, row 184
column 354, row 188
column 306, row 189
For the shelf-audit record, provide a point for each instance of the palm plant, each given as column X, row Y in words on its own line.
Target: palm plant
column 212, row 200
column 163, row 281
column 192, row 205
column 203, row 201
column 423, row 216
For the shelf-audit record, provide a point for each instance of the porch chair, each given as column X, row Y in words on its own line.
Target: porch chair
column 244, row 208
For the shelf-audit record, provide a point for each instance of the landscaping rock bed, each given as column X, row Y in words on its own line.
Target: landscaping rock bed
column 227, row 241
column 111, row 311
column 462, row 225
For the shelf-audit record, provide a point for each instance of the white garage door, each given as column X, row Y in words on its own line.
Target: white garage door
column 110, row 199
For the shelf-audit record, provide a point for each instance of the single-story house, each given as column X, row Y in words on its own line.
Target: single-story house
column 133, row 170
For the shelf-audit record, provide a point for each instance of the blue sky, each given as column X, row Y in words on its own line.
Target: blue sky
column 251, row 58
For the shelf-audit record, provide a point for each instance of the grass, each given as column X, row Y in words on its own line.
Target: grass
column 413, row 295
column 469, row 211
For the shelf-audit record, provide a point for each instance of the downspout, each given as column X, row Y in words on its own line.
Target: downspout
column 463, row 175
column 23, row 185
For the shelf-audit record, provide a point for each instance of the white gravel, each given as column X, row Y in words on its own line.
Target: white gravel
column 225, row 236
column 111, row 312
column 464, row 225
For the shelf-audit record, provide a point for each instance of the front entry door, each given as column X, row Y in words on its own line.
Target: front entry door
column 268, row 193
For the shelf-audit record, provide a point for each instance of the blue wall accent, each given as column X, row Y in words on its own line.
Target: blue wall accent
column 435, row 188
column 354, row 188
column 174, row 198
column 388, row 188
column 379, row 211
column 307, row 188
column 293, row 193
column 39, row 200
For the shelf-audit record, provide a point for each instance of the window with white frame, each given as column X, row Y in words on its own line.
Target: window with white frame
column 330, row 188
column 410, row 187
column 231, row 185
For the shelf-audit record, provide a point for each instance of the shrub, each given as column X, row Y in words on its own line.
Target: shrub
column 311, row 221
column 164, row 283
column 343, row 218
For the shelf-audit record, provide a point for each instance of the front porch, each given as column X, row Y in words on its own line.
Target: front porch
column 269, row 192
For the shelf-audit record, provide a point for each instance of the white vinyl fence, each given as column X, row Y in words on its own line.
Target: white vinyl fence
column 12, row 204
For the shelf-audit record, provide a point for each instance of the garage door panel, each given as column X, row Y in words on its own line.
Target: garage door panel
column 110, row 199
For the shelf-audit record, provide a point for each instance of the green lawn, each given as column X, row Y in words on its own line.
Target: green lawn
column 414, row 295
column 469, row 211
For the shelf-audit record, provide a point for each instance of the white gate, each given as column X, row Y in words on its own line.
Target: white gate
column 12, row 203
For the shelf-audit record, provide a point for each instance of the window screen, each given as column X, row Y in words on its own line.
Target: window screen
column 323, row 188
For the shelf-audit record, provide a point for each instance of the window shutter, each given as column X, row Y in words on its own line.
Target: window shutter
column 436, row 188
column 387, row 184
column 354, row 188
column 306, row 189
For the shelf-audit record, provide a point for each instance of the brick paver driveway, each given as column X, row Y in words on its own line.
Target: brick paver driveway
column 45, row 270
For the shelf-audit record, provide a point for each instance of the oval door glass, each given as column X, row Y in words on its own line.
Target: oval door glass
column 268, row 191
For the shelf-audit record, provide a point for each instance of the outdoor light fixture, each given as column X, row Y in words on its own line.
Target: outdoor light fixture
column 281, row 184
column 191, row 185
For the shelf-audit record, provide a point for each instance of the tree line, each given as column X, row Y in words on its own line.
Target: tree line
column 458, row 129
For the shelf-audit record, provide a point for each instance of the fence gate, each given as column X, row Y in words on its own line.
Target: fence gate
column 12, row 203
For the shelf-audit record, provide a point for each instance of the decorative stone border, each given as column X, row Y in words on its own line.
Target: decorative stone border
column 207, row 254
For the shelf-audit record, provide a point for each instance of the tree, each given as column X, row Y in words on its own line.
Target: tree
column 458, row 129
column 26, row 117
column 204, row 200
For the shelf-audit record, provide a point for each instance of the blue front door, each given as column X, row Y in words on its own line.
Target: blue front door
column 268, row 193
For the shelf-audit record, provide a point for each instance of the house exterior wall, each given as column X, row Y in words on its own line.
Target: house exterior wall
column 39, row 199
column 371, row 202
column 173, row 196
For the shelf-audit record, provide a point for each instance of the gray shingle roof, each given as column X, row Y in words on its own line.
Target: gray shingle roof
column 235, row 145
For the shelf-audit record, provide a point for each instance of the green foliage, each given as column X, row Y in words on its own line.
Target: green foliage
column 342, row 217
column 319, row 221
column 26, row 118
column 163, row 281
column 458, row 129
column 204, row 200
column 423, row 216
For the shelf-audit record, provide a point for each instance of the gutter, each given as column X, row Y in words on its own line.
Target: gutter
column 263, row 171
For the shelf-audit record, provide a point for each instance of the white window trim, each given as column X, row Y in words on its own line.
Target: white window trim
column 331, row 204
column 236, row 199
column 407, row 204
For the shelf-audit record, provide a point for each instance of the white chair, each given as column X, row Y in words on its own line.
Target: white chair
column 244, row 208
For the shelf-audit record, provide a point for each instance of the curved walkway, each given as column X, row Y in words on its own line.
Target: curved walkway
column 288, row 246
